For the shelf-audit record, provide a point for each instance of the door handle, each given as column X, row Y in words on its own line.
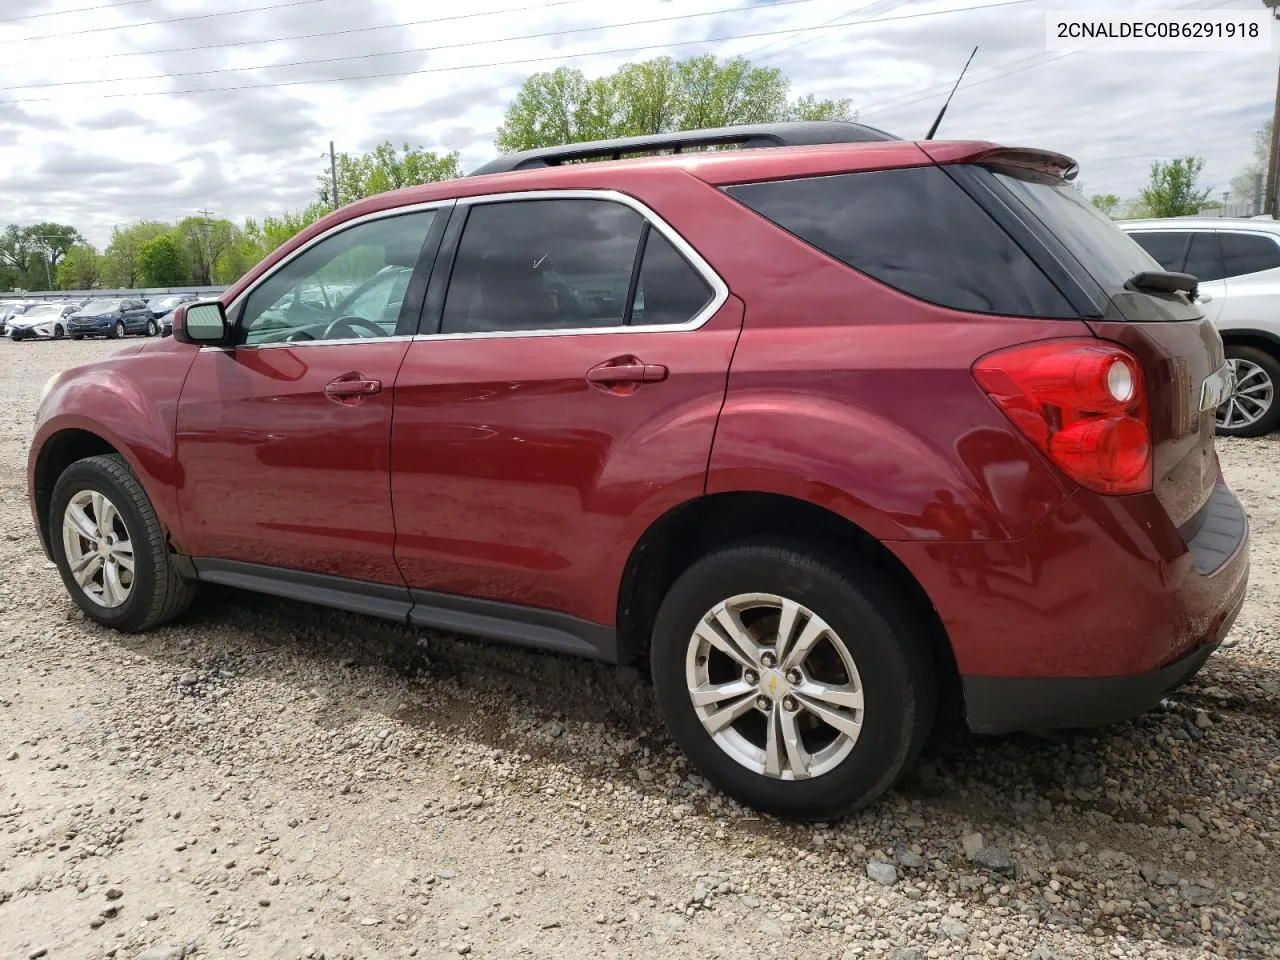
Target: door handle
column 348, row 389
column 626, row 370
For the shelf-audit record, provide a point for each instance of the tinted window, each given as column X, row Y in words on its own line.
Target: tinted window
column 915, row 230
column 1204, row 258
column 1248, row 253
column 1109, row 255
column 348, row 285
column 1166, row 248
column 543, row 265
column 669, row 289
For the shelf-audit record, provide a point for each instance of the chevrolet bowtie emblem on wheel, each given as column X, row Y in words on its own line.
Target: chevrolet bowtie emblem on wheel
column 1217, row 388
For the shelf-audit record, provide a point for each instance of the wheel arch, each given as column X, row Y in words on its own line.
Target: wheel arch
column 56, row 453
column 1250, row 337
column 682, row 535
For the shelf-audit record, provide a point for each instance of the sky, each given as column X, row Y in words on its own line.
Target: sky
column 113, row 111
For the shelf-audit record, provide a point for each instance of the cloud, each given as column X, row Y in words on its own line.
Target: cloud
column 247, row 152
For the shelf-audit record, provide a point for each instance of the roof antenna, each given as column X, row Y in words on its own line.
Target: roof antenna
column 943, row 111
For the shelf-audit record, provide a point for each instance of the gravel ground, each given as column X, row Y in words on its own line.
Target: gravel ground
column 270, row 780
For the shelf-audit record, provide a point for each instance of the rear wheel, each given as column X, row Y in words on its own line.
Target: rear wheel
column 1252, row 409
column 152, row 330
column 110, row 547
column 797, row 681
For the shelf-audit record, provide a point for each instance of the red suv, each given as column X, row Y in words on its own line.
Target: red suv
column 817, row 430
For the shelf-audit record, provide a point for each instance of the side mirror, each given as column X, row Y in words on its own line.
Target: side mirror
column 203, row 323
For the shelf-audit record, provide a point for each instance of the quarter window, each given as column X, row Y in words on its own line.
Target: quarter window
column 915, row 230
column 668, row 290
column 1244, row 253
column 350, row 285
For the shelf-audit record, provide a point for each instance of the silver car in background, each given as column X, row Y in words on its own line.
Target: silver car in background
column 1238, row 265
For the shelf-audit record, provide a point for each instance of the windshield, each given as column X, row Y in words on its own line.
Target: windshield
column 101, row 306
column 43, row 310
column 1109, row 254
column 159, row 303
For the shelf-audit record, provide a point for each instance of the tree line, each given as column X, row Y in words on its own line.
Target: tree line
column 660, row 95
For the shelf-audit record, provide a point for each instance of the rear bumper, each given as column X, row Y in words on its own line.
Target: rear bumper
column 1093, row 616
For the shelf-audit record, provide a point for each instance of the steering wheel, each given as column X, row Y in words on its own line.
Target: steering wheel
column 351, row 324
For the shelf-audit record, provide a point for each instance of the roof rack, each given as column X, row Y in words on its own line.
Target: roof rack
column 793, row 134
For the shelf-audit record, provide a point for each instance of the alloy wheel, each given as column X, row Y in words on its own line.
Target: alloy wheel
column 775, row 686
column 1251, row 397
column 98, row 549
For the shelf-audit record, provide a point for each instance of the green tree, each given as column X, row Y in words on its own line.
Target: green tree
column 1243, row 183
column 80, row 268
column 160, row 262
column 120, row 267
column 655, row 96
column 203, row 240
column 1108, row 203
column 54, row 240
column 385, row 168
column 1172, row 190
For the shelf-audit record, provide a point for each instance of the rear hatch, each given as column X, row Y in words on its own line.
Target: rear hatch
column 1180, row 351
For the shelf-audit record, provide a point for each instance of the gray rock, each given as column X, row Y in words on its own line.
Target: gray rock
column 1043, row 953
column 770, row 927
column 995, row 859
column 1180, row 734
column 538, row 870
column 162, row 953
column 189, row 679
column 907, row 953
column 1149, row 872
column 1191, row 822
column 972, row 844
column 971, row 882
column 882, row 873
column 953, row 929
column 1197, row 895
column 1203, row 721
column 750, row 902
column 910, row 860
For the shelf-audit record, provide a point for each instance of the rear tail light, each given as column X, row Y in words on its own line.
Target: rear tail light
column 1082, row 403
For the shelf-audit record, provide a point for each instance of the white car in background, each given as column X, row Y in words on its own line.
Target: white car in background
column 44, row 321
column 1238, row 265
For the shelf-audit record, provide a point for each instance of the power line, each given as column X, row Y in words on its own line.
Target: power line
column 61, row 13
column 525, row 60
column 156, row 23
column 304, row 36
column 395, row 53
column 893, row 4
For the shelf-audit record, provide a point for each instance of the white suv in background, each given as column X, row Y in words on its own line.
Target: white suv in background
column 1238, row 265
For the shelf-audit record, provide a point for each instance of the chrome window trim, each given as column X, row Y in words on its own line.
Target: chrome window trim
column 719, row 294
column 337, row 228
column 719, row 289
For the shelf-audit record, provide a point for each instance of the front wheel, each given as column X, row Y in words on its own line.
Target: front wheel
column 152, row 330
column 1251, row 410
column 111, row 549
column 797, row 681
column 58, row 332
column 117, row 332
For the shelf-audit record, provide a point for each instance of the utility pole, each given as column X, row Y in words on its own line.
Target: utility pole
column 206, row 245
column 1273, row 155
column 333, row 172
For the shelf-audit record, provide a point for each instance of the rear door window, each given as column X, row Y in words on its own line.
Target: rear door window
column 1204, row 258
column 1245, row 253
column 1167, row 248
column 915, row 230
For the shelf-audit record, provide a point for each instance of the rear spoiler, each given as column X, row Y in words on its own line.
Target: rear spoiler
column 1044, row 162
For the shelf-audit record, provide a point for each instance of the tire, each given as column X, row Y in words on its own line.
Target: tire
column 118, row 331
column 58, row 332
column 893, row 670
column 77, row 336
column 152, row 329
column 157, row 593
column 1253, row 369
